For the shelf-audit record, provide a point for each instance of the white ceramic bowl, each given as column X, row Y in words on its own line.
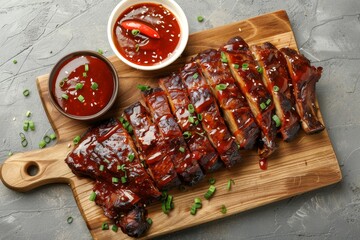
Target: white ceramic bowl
column 170, row 5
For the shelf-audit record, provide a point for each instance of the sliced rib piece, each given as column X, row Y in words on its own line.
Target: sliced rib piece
column 244, row 69
column 234, row 106
column 152, row 147
column 304, row 78
column 185, row 163
column 103, row 153
column 196, row 139
column 204, row 104
column 277, row 81
column 122, row 207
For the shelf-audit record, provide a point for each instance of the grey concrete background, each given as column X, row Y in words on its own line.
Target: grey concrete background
column 39, row 32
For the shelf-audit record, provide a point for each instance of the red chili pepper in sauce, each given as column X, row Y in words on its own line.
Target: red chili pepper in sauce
column 142, row 27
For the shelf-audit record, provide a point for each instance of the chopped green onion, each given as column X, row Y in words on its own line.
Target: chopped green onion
column 114, row 228
column 121, row 167
column 81, row 98
column 100, row 51
column 236, row 66
column 70, row 220
column 79, row 86
column 135, row 32
column 92, row 196
column 210, row 192
column 52, row 136
column 229, row 183
column 47, row 139
column 76, row 139
column 221, row 86
column 262, row 106
column 31, row 125
column 191, row 108
column 137, row 47
column 86, row 67
column 107, row 161
column 197, row 122
column 191, row 119
column 24, row 142
column 10, row 153
column 260, row 69
column 42, row 144
column 223, row 209
column 276, row 88
column 182, row 149
column 104, row 226
column 149, row 220
column 84, row 74
column 223, row 57
column 28, row 114
column 197, row 203
column 200, row 18
column 196, row 75
column 276, row 120
column 163, row 207
column 131, row 157
column 212, row 181
column 126, row 124
column 268, row 102
column 61, row 83
column 238, row 146
column 26, row 125
column 101, row 168
column 65, row 96
column 193, row 209
column 129, row 129
column 200, row 134
column 121, row 119
column 143, row 87
column 114, row 180
column 187, row 135
column 94, row 86
column 168, row 204
column 26, row 92
column 123, row 180
column 14, row 61
column 245, row 66
column 199, row 116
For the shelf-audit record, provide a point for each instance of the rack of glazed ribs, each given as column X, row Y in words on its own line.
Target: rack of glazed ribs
column 199, row 120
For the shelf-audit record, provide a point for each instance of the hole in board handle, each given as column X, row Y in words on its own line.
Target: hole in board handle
column 32, row 169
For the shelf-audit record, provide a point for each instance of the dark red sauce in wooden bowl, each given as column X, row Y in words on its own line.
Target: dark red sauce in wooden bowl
column 83, row 85
column 143, row 48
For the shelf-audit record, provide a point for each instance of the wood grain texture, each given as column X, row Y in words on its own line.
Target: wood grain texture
column 305, row 164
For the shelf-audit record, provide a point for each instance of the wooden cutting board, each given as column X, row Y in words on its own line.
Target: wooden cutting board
column 305, row 164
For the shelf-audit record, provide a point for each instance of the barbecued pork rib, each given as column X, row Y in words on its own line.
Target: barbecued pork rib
column 185, row 163
column 236, row 110
column 244, row 69
column 304, row 78
column 123, row 207
column 277, row 81
column 152, row 147
column 103, row 153
column 204, row 104
column 195, row 136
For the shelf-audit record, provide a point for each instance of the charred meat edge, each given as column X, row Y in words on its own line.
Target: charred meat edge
column 244, row 69
column 205, row 105
column 234, row 106
column 304, row 78
column 196, row 139
column 277, row 81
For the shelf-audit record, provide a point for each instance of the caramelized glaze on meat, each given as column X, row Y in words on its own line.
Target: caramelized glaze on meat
column 244, row 69
column 277, row 81
column 213, row 123
column 304, row 78
column 234, row 106
column 197, row 140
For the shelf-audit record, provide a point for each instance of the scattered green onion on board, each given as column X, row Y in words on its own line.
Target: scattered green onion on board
column 52, row 136
column 28, row 114
column 47, row 139
column 104, row 226
column 42, row 144
column 143, row 87
column 210, row 192
column 223, row 209
column 229, row 184
column 149, row 220
column 24, row 141
column 26, row 125
column 70, row 220
column 114, row 228
column 212, row 181
column 32, row 125
column 92, row 196
column 200, row 18
column 14, row 61
column 76, row 139
column 100, row 51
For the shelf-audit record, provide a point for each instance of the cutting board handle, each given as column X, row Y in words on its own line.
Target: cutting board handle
column 26, row 171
